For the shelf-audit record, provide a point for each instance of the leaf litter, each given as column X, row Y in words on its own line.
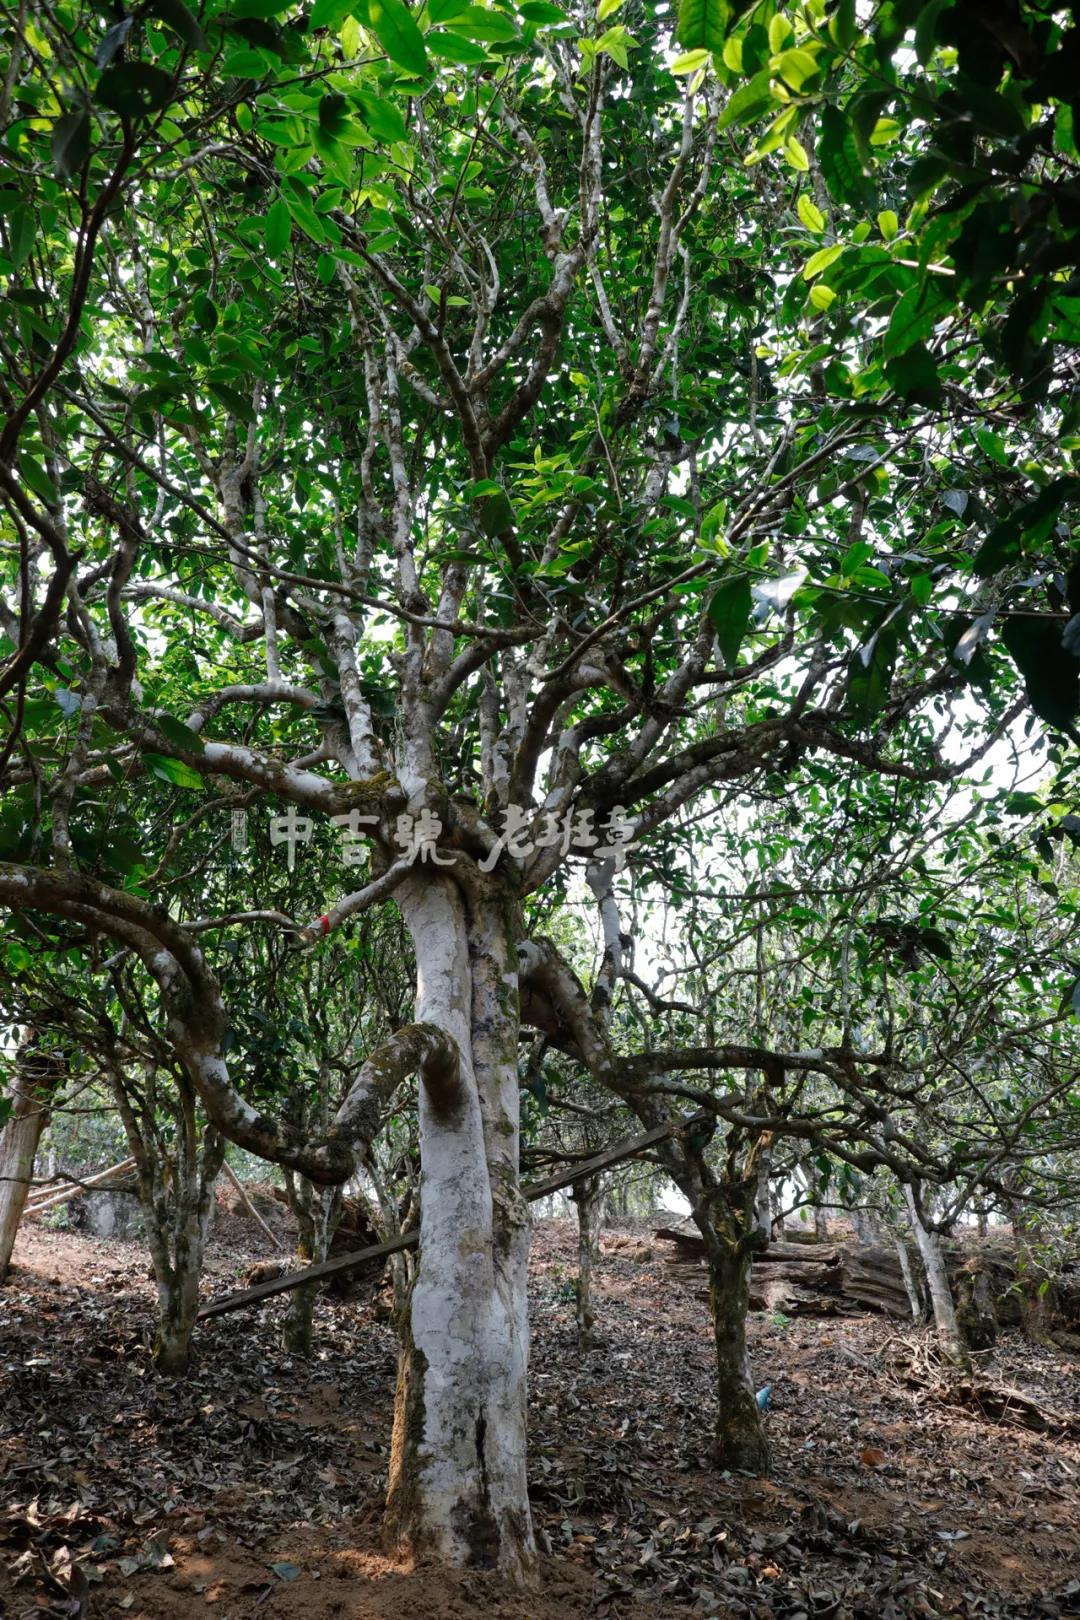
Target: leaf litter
column 254, row 1487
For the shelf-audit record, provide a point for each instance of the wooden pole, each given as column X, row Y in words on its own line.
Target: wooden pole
column 249, row 1206
column 626, row 1149
column 73, row 1192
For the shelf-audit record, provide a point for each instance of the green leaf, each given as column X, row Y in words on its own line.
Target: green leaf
column 1051, row 675
column 1031, row 523
column 134, row 89
column 844, row 25
column 179, row 735
column 888, row 224
column 298, row 202
column 915, row 317
column 810, row 214
column 260, row 8
column 22, row 228
column 333, row 111
column 205, row 311
column 703, row 24
column 915, row 375
column 540, row 12
column 244, row 64
column 329, row 13
column 482, row 23
column 796, row 67
column 278, row 229
column 821, row 260
column 749, row 102
column 690, row 61
column 607, row 8
column 232, row 400
column 496, row 515
column 38, row 479
column 382, row 117
column 175, row 15
column 729, row 611
column 452, row 48
column 870, row 673
column 70, row 143
column 393, row 26
column 839, row 159
column 173, row 771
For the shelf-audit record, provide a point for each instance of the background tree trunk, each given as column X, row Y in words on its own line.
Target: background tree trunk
column 588, row 1198
column 31, row 1091
column 937, row 1280
column 317, row 1211
column 911, row 1285
column 176, row 1186
column 725, row 1214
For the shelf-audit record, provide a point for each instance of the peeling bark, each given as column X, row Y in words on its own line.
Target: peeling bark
column 457, row 1466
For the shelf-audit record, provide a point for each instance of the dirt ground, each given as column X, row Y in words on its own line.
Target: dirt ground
column 253, row 1488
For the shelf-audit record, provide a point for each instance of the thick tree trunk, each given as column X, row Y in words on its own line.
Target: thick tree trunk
column 178, row 1305
column 457, row 1467
column 937, row 1281
column 588, row 1199
column 177, row 1276
column 18, row 1149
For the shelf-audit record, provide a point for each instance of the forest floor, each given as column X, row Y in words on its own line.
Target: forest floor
column 253, row 1488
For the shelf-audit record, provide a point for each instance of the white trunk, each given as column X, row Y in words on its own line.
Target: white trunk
column 911, row 1286
column 457, row 1468
column 937, row 1279
column 18, row 1148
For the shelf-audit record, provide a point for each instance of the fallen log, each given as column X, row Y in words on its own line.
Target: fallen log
column 1000, row 1405
column 91, row 1184
column 692, row 1245
column 872, row 1276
